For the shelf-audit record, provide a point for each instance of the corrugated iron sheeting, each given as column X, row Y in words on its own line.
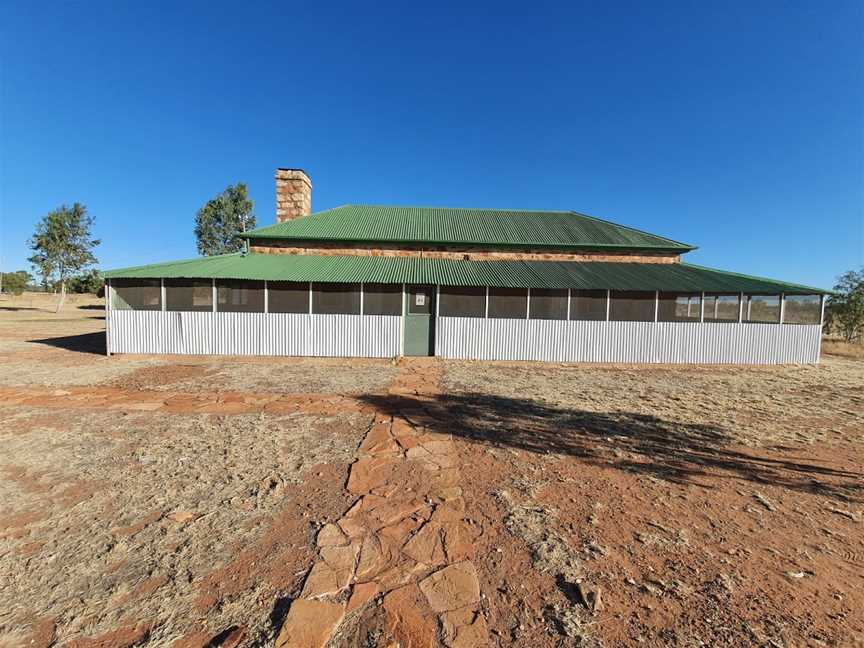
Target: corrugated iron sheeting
column 486, row 227
column 679, row 277
column 271, row 334
column 626, row 342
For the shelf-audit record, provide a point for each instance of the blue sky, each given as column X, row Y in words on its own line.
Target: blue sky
column 738, row 127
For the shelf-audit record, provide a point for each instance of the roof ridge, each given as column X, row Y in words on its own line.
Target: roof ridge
column 499, row 209
column 634, row 229
column 491, row 226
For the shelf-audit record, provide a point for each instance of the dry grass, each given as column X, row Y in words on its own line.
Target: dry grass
column 843, row 349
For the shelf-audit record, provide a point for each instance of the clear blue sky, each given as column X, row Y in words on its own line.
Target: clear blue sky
column 738, row 127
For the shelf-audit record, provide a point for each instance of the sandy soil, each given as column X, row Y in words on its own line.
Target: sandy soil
column 679, row 507
column 613, row 506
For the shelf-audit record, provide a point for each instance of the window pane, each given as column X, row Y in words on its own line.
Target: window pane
column 462, row 301
column 382, row 299
column 588, row 305
column 631, row 306
column 802, row 309
column 188, row 295
column 548, row 303
column 679, row 307
column 136, row 294
column 721, row 308
column 509, row 303
column 762, row 308
column 240, row 296
column 336, row 299
column 287, row 297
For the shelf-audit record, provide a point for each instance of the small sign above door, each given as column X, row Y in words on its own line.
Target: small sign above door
column 420, row 299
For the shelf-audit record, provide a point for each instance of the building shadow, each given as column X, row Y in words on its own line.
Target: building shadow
column 683, row 453
column 82, row 343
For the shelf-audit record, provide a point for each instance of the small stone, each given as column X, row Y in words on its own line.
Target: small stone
column 182, row 517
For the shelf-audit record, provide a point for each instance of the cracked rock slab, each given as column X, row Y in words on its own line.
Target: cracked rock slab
column 451, row 588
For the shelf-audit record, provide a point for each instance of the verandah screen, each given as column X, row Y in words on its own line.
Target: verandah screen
column 336, row 298
column 188, row 295
column 236, row 296
column 631, row 306
column 382, row 299
column 508, row 303
column 588, row 305
column 462, row 301
column 548, row 304
column 721, row 308
column 679, row 307
column 288, row 296
column 802, row 309
column 136, row 294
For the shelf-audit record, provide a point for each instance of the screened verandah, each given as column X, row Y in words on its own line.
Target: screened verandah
column 260, row 317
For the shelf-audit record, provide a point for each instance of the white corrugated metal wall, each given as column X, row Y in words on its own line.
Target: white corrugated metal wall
column 374, row 336
column 626, row 342
column 379, row 336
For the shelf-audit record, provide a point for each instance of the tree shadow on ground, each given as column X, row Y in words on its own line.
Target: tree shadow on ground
column 683, row 453
column 82, row 343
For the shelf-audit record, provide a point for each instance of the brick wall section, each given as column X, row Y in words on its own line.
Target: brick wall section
column 293, row 194
column 452, row 252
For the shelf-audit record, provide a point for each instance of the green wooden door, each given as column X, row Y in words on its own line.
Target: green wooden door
column 419, row 320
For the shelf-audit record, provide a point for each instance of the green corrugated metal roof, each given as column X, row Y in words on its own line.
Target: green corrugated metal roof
column 679, row 277
column 473, row 227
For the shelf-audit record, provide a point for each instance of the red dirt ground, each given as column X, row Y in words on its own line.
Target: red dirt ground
column 182, row 501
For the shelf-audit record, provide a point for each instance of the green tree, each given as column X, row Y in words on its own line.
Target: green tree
column 15, row 282
column 845, row 308
column 62, row 246
column 88, row 282
column 218, row 223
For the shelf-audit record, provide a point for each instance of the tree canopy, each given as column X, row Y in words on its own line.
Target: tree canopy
column 87, row 282
column 218, row 222
column 845, row 308
column 62, row 246
column 15, row 283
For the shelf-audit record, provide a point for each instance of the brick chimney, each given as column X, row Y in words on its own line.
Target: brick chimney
column 293, row 194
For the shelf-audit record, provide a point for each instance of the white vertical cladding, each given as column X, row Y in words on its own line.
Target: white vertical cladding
column 135, row 331
column 462, row 337
column 626, row 342
column 374, row 336
column 239, row 333
column 285, row 334
column 371, row 336
column 108, row 317
column 255, row 334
